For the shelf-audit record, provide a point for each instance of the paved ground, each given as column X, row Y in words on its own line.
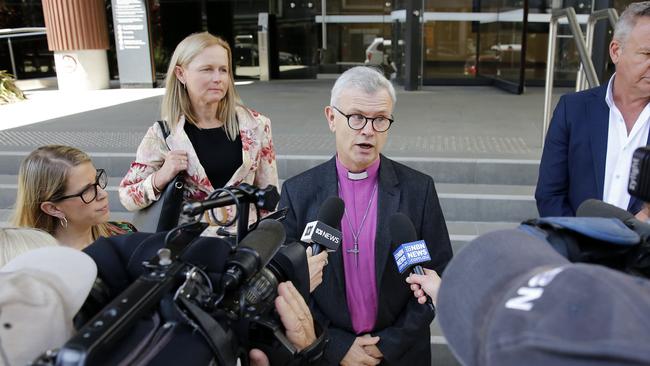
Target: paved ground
column 445, row 121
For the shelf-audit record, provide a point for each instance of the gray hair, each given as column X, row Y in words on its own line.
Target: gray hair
column 365, row 78
column 628, row 19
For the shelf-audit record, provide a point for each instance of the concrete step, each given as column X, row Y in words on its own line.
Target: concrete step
column 6, row 214
column 487, row 203
column 460, row 202
column 462, row 232
column 443, row 170
column 9, row 184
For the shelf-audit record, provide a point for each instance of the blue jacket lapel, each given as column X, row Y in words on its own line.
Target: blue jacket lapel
column 597, row 114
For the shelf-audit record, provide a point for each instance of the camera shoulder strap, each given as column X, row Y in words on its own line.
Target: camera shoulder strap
column 220, row 341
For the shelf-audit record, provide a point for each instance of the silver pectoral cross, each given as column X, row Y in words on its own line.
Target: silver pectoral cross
column 355, row 251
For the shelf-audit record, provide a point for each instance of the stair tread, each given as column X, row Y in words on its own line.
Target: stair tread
column 478, row 190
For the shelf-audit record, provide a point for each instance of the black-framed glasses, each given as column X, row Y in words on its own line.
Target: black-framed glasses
column 358, row 121
column 89, row 193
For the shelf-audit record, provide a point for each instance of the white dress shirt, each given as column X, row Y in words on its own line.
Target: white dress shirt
column 620, row 148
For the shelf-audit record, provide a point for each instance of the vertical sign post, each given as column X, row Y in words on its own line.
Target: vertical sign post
column 133, row 43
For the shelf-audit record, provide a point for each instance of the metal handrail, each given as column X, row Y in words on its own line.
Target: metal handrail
column 10, row 33
column 612, row 16
column 585, row 58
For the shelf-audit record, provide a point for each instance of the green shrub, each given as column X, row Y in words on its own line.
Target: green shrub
column 9, row 92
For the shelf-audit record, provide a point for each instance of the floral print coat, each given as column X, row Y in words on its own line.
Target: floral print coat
column 258, row 157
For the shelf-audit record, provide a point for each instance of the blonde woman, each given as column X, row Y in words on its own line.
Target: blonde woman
column 60, row 191
column 16, row 241
column 213, row 137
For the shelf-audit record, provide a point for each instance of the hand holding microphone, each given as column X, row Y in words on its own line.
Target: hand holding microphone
column 410, row 252
column 423, row 285
column 321, row 233
column 316, row 265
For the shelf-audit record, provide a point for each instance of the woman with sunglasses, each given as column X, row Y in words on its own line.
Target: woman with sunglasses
column 61, row 192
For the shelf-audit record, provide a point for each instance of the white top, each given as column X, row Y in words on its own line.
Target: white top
column 620, row 148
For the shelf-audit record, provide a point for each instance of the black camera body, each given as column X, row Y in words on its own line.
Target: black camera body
column 197, row 298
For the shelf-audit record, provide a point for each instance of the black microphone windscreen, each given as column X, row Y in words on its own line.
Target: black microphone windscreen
column 209, row 253
column 265, row 239
column 401, row 229
column 597, row 208
column 290, row 264
column 331, row 211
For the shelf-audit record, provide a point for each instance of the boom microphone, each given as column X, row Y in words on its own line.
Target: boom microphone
column 253, row 253
column 323, row 232
column 265, row 199
column 410, row 252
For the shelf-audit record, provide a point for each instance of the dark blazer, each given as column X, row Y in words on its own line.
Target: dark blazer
column 572, row 168
column 402, row 323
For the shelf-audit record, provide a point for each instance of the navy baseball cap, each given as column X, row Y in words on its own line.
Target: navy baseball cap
column 508, row 298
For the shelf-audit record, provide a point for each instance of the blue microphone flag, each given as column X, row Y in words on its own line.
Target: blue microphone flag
column 410, row 254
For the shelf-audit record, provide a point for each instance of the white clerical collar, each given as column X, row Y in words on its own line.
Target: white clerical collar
column 357, row 176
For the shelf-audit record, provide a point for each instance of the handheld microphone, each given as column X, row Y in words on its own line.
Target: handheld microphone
column 597, row 208
column 410, row 252
column 253, row 253
column 323, row 232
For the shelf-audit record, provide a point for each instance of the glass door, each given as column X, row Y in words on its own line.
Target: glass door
column 356, row 32
column 501, row 55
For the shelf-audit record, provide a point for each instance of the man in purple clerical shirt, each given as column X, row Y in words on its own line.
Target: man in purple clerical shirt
column 371, row 313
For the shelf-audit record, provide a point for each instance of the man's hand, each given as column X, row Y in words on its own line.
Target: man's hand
column 258, row 358
column 357, row 354
column 644, row 214
column 422, row 285
column 296, row 319
column 295, row 316
column 372, row 350
column 316, row 264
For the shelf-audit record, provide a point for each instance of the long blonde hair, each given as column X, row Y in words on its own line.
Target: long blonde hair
column 16, row 241
column 43, row 175
column 176, row 102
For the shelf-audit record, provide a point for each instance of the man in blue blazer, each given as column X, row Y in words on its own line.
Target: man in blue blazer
column 372, row 314
column 593, row 133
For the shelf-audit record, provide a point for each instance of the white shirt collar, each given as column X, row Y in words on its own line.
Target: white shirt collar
column 609, row 96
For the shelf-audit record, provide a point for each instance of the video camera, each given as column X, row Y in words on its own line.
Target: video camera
column 229, row 303
column 602, row 233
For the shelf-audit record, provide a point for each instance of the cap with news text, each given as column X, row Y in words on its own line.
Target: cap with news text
column 509, row 299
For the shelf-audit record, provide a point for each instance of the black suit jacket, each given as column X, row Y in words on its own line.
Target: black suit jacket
column 402, row 323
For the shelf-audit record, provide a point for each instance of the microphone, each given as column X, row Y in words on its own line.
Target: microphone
column 266, row 199
column 253, row 253
column 323, row 232
column 410, row 252
column 597, row 208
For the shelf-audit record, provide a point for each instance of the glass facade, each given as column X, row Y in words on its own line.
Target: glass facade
column 461, row 41
column 31, row 58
